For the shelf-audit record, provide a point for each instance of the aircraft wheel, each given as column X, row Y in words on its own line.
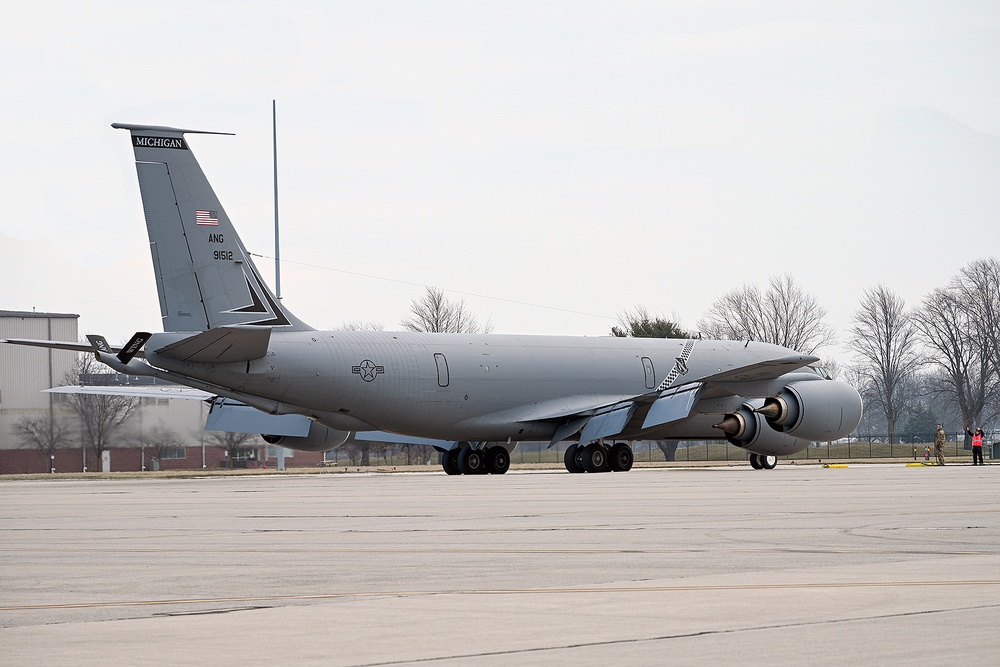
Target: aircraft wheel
column 571, row 459
column 621, row 457
column 755, row 462
column 497, row 460
column 596, row 458
column 768, row 462
column 471, row 462
column 449, row 461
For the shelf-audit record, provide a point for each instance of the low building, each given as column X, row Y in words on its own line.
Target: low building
column 161, row 434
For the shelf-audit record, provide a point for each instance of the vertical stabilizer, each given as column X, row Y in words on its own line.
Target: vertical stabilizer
column 204, row 276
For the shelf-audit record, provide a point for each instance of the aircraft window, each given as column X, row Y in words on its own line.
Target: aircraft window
column 442, row 368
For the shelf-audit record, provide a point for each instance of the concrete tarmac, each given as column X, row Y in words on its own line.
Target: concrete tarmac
column 798, row 565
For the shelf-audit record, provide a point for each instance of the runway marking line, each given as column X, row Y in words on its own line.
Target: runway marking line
column 479, row 552
column 530, row 591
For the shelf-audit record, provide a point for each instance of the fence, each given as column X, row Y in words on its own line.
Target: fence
column 869, row 446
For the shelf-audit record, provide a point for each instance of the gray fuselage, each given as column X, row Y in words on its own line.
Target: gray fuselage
column 472, row 386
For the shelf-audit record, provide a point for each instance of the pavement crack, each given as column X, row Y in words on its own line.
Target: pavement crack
column 538, row 650
column 207, row 612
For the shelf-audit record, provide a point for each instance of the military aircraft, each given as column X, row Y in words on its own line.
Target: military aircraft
column 473, row 396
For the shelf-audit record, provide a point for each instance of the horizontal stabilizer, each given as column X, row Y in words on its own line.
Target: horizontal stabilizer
column 52, row 344
column 221, row 345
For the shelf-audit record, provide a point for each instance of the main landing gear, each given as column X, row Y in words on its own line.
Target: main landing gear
column 763, row 461
column 468, row 461
column 599, row 457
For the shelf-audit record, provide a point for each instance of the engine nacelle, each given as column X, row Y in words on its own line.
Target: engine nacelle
column 817, row 410
column 319, row 439
column 747, row 429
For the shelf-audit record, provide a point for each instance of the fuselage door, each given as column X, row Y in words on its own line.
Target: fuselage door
column 647, row 366
column 442, row 368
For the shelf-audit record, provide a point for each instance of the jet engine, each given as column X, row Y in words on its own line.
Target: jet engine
column 319, row 439
column 817, row 410
column 747, row 429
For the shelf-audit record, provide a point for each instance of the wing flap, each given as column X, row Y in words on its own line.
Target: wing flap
column 672, row 405
column 608, row 422
column 566, row 430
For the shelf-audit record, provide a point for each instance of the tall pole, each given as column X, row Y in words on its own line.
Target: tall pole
column 277, row 250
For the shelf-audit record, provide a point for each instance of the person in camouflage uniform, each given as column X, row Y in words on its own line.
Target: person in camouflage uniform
column 939, row 445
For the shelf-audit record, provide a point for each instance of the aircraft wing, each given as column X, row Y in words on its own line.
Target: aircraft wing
column 643, row 411
column 148, row 391
column 664, row 406
column 769, row 369
column 398, row 439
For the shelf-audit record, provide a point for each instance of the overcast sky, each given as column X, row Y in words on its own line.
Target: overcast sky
column 531, row 157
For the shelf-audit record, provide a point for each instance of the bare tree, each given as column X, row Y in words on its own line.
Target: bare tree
column 46, row 433
column 361, row 325
column 962, row 353
column 385, row 450
column 101, row 414
column 885, row 341
column 783, row 315
column 978, row 285
column 229, row 441
column 872, row 421
column 358, row 452
column 639, row 323
column 435, row 313
column 160, row 439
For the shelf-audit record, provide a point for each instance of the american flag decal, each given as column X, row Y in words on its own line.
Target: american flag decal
column 210, row 218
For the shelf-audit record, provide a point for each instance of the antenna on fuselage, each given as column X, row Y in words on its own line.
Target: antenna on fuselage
column 277, row 249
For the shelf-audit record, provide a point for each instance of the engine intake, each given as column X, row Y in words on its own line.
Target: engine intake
column 815, row 410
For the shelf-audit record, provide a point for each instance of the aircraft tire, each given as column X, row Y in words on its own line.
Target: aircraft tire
column 497, row 460
column 471, row 462
column 596, row 458
column 622, row 457
column 768, row 462
column 570, row 459
column 449, row 461
column 755, row 462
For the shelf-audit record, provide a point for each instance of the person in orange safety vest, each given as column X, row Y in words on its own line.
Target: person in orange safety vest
column 977, row 445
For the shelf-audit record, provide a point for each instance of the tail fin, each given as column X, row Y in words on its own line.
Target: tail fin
column 204, row 276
